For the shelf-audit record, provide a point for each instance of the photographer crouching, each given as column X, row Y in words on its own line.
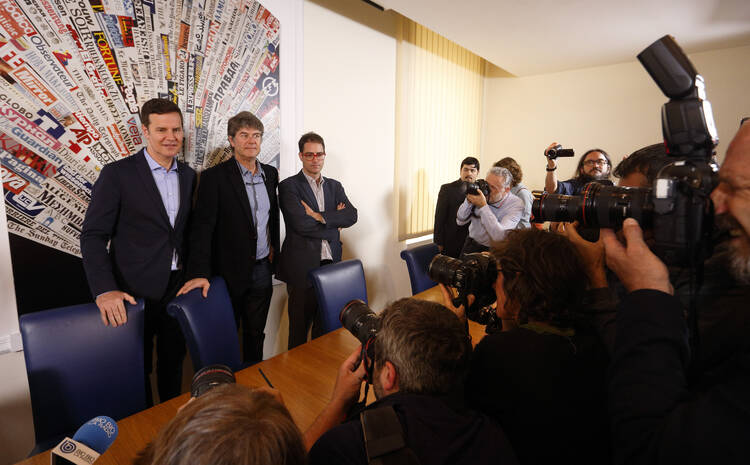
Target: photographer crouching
column 543, row 376
column 420, row 352
column 490, row 210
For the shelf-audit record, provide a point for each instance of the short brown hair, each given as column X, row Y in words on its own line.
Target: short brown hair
column 158, row 106
column 426, row 343
column 243, row 119
column 543, row 275
column 310, row 137
column 229, row 425
column 515, row 169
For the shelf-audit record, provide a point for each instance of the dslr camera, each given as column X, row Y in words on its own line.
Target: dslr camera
column 474, row 274
column 677, row 208
column 480, row 185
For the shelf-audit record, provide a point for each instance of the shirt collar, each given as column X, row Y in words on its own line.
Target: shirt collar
column 154, row 165
column 244, row 171
column 312, row 180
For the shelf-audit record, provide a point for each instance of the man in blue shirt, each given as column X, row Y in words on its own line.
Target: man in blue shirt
column 491, row 218
column 132, row 241
column 594, row 165
column 235, row 231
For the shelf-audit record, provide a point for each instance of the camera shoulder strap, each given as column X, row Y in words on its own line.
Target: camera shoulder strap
column 384, row 438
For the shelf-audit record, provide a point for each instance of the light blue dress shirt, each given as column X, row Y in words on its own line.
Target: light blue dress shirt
column 260, row 206
column 168, row 184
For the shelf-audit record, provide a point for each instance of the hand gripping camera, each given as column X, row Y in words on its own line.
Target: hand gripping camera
column 677, row 207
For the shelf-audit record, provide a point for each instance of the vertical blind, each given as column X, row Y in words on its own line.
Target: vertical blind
column 438, row 120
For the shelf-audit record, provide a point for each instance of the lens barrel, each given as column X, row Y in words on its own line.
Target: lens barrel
column 209, row 377
column 359, row 320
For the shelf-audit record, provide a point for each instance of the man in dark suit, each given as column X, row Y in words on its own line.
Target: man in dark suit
column 140, row 206
column 448, row 235
column 235, row 231
column 314, row 209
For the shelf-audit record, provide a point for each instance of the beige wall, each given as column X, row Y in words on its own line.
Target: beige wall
column 350, row 79
column 616, row 108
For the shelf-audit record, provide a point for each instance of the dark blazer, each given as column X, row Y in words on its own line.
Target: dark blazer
column 126, row 210
column 301, row 250
column 223, row 237
column 447, row 233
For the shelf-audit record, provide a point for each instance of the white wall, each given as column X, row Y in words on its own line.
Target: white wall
column 616, row 108
column 350, row 88
column 16, row 426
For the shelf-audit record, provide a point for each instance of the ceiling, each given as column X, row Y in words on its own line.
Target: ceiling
column 527, row 37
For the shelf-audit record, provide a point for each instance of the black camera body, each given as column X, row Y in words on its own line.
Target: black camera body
column 474, row 188
column 677, row 207
column 558, row 151
column 473, row 273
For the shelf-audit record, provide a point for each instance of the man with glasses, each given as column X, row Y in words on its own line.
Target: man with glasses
column 235, row 231
column 314, row 209
column 594, row 165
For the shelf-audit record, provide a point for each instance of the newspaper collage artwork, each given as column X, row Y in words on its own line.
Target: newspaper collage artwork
column 73, row 74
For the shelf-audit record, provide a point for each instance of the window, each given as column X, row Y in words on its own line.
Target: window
column 438, row 120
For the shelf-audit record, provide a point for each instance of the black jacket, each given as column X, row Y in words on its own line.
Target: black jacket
column 447, row 233
column 127, row 211
column 657, row 416
column 223, row 237
column 301, row 250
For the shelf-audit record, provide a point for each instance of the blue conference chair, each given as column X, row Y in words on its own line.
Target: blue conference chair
column 335, row 285
column 79, row 368
column 208, row 326
column 417, row 260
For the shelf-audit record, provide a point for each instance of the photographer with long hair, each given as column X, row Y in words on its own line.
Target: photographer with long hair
column 543, row 376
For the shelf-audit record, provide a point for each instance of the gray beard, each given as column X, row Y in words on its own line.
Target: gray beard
column 739, row 263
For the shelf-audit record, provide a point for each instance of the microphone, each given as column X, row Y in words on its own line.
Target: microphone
column 91, row 440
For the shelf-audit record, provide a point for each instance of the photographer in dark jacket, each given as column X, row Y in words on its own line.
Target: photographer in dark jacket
column 543, row 376
column 421, row 356
column 448, row 235
column 658, row 416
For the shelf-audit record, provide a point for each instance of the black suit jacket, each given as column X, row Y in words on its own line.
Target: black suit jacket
column 447, row 233
column 223, row 236
column 301, row 250
column 127, row 211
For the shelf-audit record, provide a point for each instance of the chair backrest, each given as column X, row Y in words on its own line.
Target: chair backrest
column 79, row 368
column 335, row 286
column 417, row 260
column 208, row 326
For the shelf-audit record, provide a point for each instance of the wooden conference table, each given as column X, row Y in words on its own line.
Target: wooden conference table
column 305, row 376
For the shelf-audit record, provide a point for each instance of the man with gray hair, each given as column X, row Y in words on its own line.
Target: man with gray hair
column 421, row 358
column 491, row 218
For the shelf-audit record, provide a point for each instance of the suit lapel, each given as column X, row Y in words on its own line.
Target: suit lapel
column 186, row 194
column 311, row 201
column 232, row 172
column 150, row 185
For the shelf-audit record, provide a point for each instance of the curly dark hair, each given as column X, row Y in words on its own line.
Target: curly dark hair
column 543, row 276
column 647, row 161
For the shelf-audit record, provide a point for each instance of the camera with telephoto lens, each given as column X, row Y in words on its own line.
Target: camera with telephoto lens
column 473, row 273
column 474, row 188
column 209, row 377
column 359, row 319
column 677, row 208
column 558, row 151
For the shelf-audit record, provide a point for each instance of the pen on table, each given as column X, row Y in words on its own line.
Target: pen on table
column 264, row 377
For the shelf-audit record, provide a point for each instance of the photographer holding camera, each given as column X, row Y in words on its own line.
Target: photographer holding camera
column 543, row 376
column 421, row 357
column 490, row 210
column 660, row 414
column 594, row 165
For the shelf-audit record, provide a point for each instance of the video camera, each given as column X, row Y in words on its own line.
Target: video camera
column 678, row 207
column 558, row 151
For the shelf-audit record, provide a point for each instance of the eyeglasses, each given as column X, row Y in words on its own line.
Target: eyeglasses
column 311, row 155
column 595, row 162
